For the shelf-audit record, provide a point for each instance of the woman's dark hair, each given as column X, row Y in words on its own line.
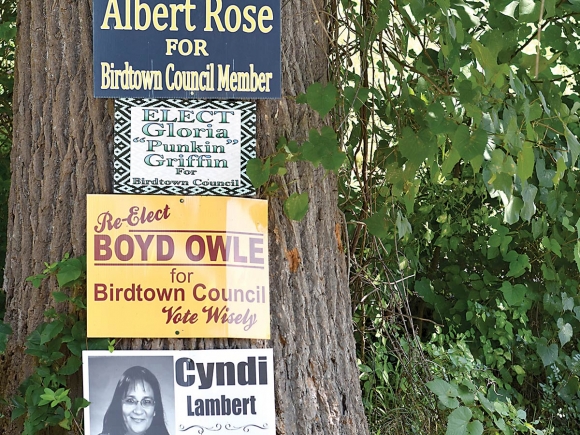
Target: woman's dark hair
column 113, row 422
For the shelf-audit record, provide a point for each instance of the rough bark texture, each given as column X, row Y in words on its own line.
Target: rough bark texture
column 63, row 151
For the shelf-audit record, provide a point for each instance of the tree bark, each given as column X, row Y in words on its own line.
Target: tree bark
column 62, row 151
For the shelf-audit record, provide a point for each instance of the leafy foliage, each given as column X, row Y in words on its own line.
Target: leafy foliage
column 321, row 148
column 57, row 345
column 460, row 126
column 296, row 206
column 320, row 98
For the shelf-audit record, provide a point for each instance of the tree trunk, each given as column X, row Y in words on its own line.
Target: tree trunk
column 62, row 151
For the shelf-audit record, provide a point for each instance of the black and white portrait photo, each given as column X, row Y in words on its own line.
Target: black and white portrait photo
column 129, row 395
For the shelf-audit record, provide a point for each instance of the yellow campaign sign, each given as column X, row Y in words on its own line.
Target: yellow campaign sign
column 177, row 266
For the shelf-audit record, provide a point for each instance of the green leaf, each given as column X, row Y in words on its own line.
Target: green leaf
column 293, row 147
column 517, row 85
column 573, row 144
column 377, row 224
column 517, row 267
column 501, row 407
column 403, row 225
column 438, row 120
column 535, row 111
column 383, row 13
column 60, row 297
column 529, row 192
column 545, row 176
column 574, row 56
column 417, row 147
column 36, row 280
column 509, row 9
column 458, row 420
column 356, row 97
column 500, row 423
column 5, row 329
column 449, row 402
column 513, row 209
column 450, row 162
column 469, row 146
column 577, row 255
column 424, row 289
column 475, row 428
column 98, row 344
column 65, row 424
column 258, row 172
column 79, row 403
column 442, row 388
column 17, row 412
column 71, row 366
column 526, row 160
column 69, row 271
column 566, row 224
column 50, row 331
column 296, row 206
column 565, row 331
column 567, row 302
column 321, row 98
column 527, row 7
column 467, row 93
column 569, row 391
column 7, row 30
column 498, row 175
column 278, row 164
column 514, row 295
column 79, row 331
column 301, row 99
column 45, row 400
column 323, row 148
column 560, row 170
column 548, row 354
column 465, row 394
column 552, row 245
column 485, row 402
column 485, row 56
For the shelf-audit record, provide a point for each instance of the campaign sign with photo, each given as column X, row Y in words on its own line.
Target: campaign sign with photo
column 177, row 266
column 163, row 392
column 227, row 49
column 184, row 147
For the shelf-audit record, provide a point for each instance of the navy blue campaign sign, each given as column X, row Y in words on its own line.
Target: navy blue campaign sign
column 186, row 49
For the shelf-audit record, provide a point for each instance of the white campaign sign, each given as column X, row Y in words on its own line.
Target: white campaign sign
column 185, row 145
column 179, row 392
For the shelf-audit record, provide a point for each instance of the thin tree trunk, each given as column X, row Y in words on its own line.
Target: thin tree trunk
column 63, row 150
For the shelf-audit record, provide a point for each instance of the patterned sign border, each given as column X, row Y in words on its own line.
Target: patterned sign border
column 122, row 152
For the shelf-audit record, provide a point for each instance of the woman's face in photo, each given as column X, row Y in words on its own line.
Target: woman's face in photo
column 138, row 408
